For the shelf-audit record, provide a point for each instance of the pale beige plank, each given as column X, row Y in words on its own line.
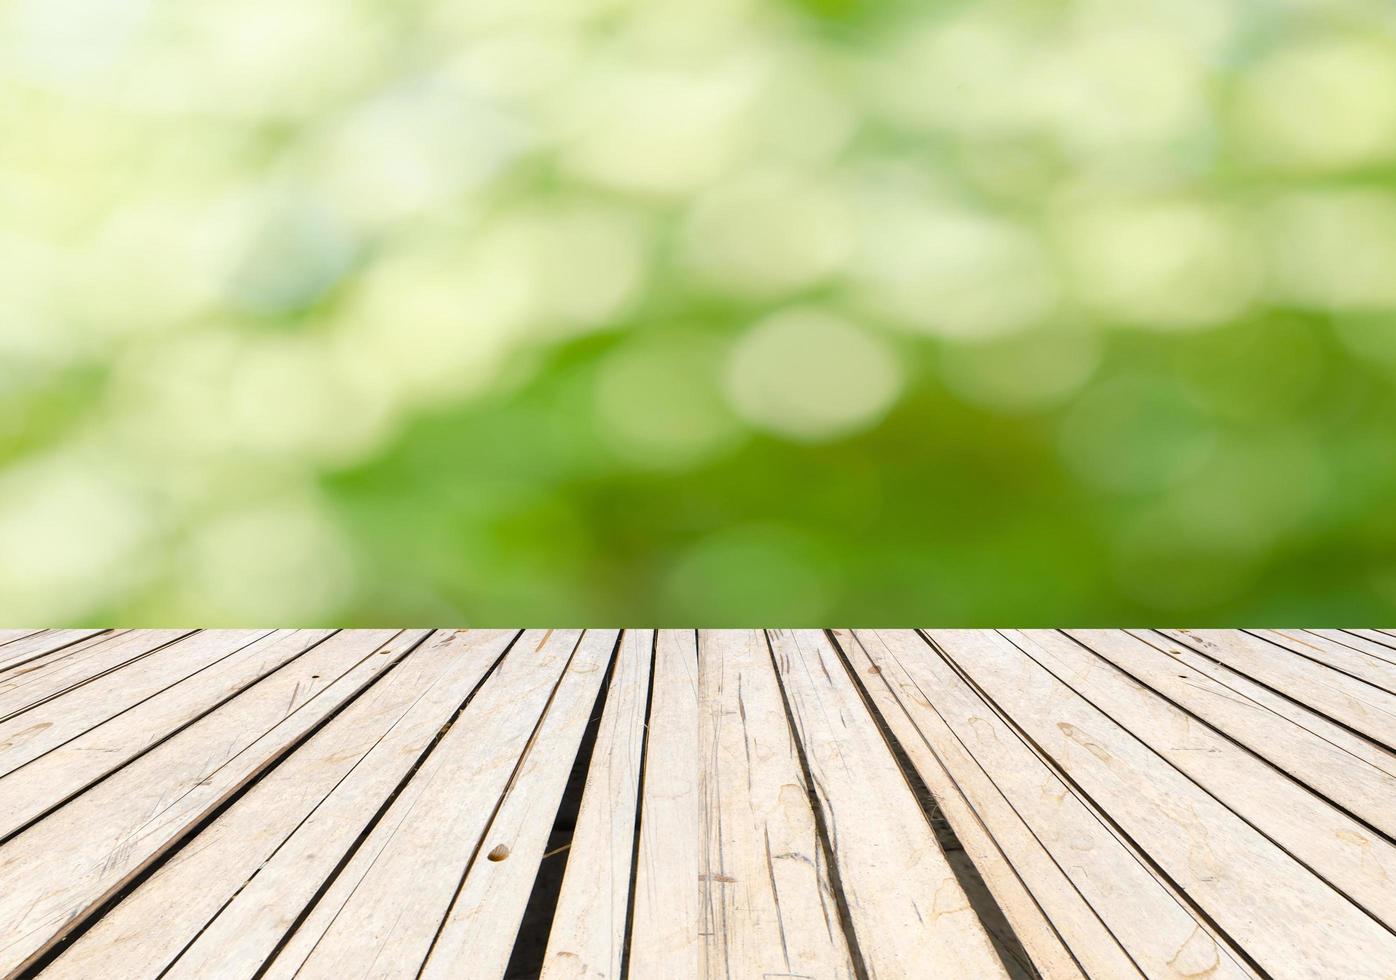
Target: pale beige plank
column 1348, row 770
column 1355, row 860
column 7, row 636
column 25, row 737
column 668, row 919
column 49, row 644
column 1374, row 643
column 362, row 926
column 768, row 906
column 908, row 911
column 588, row 932
column 64, row 771
column 1336, row 649
column 1356, row 704
column 1041, row 905
column 1299, row 924
column 71, row 860
column 1159, row 932
column 38, row 682
column 1312, row 721
column 478, row 934
column 247, row 876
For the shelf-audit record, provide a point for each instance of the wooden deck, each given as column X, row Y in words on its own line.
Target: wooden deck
column 672, row 804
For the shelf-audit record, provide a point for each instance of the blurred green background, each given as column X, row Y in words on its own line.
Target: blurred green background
column 697, row 312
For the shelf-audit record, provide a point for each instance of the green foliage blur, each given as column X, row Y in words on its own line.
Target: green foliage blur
column 702, row 312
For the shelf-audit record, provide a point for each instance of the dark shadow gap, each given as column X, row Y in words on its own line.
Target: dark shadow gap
column 1224, row 941
column 1006, row 942
column 382, row 810
column 531, row 944
column 639, row 813
column 821, row 826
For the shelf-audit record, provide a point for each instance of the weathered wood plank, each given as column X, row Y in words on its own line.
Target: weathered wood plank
column 479, row 931
column 38, row 681
column 67, row 715
column 425, row 842
column 768, row 906
column 1044, row 909
column 1374, row 643
column 588, row 933
column 1341, row 654
column 1314, row 722
column 666, row 938
column 908, row 911
column 1351, row 857
column 64, row 771
column 240, row 886
column 43, row 644
column 66, row 864
column 1148, row 919
column 732, row 878
column 1333, row 762
column 1353, row 703
column 1299, row 924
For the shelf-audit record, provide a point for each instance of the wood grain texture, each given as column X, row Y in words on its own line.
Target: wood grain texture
column 1353, row 703
column 667, row 904
column 68, row 863
column 1211, row 854
column 588, row 935
column 77, row 710
column 908, row 911
column 1060, row 933
column 27, row 646
column 39, row 681
column 81, row 761
column 259, row 863
column 1356, row 861
column 426, row 841
column 1159, row 931
column 749, row 803
column 483, row 921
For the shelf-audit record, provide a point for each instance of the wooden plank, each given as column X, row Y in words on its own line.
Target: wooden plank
column 7, row 636
column 588, row 932
column 24, row 738
column 426, row 840
column 241, row 884
column 732, row 880
column 1374, row 643
column 1043, row 908
column 768, row 904
column 479, row 932
column 1309, row 719
column 66, row 864
column 1348, row 855
column 666, row 936
column 1300, row 924
column 44, row 643
column 38, row 785
column 1356, row 704
column 1354, row 656
column 38, row 682
column 1344, row 767
column 769, row 907
column 1147, row 919
column 907, row 909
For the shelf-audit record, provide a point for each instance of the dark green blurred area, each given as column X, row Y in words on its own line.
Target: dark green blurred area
column 745, row 312
column 943, row 513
